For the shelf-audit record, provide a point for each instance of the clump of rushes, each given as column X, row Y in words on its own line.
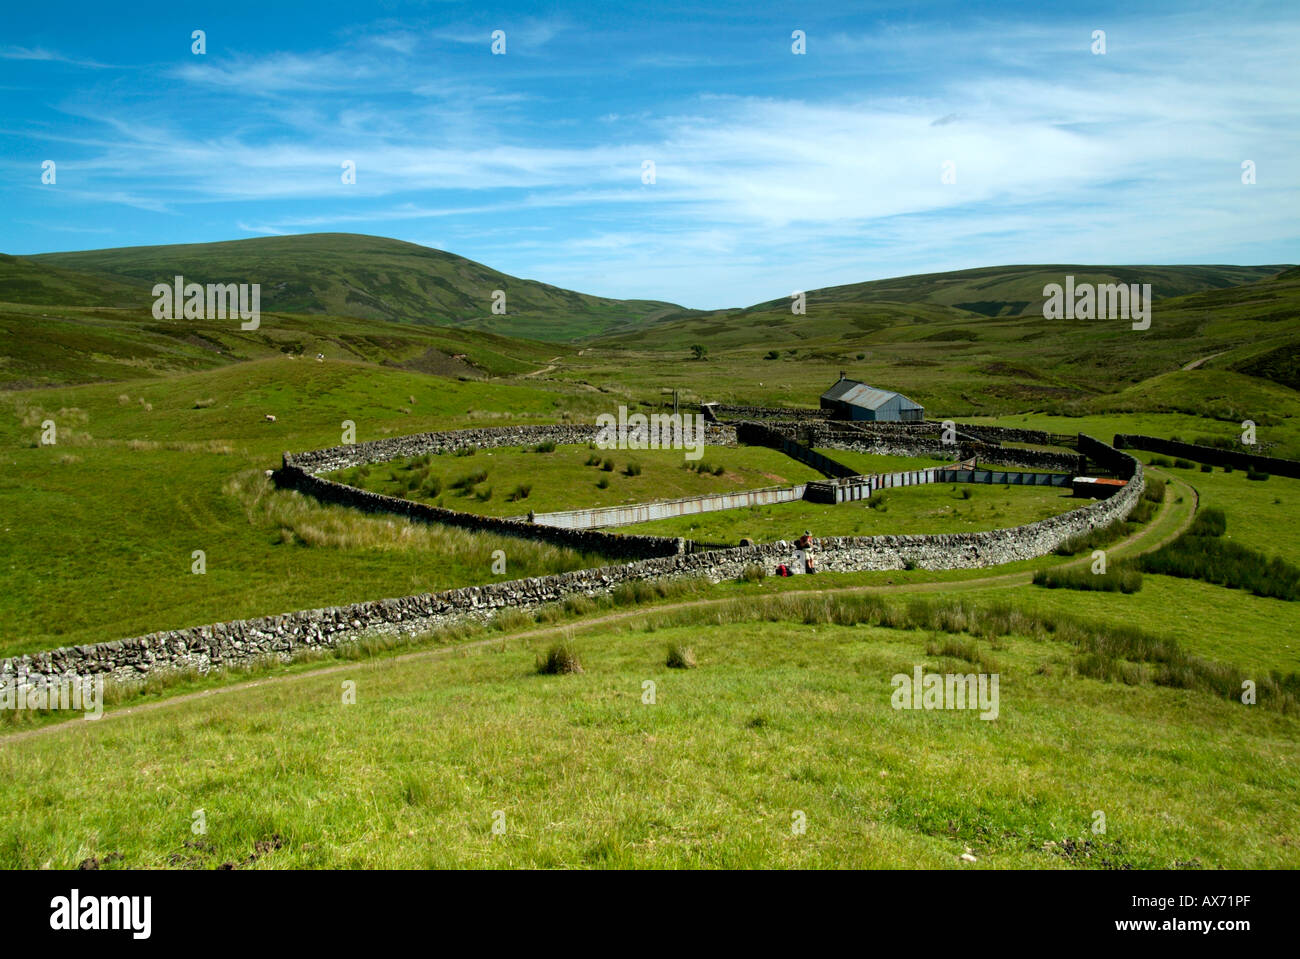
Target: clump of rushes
column 559, row 659
column 607, row 466
column 593, row 460
column 681, row 657
column 633, row 469
column 469, row 481
column 520, row 492
column 546, row 447
column 602, row 483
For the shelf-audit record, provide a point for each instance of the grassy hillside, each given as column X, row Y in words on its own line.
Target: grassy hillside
column 780, row 749
column 961, row 364
column 512, row 481
column 24, row 280
column 375, row 278
column 97, row 531
column 1013, row 290
column 51, row 345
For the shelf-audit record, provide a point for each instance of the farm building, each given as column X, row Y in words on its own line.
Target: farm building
column 852, row 400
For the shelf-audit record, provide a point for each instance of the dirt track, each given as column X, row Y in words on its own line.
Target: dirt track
column 1143, row 541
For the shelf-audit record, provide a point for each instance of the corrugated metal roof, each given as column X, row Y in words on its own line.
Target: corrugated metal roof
column 867, row 397
column 837, row 391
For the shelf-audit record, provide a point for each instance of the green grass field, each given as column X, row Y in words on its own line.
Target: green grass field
column 99, row 529
column 565, row 479
column 939, row 508
column 1123, row 704
column 782, row 724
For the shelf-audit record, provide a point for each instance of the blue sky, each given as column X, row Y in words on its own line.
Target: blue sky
column 774, row 171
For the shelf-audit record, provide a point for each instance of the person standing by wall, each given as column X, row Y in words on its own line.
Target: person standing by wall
column 804, row 551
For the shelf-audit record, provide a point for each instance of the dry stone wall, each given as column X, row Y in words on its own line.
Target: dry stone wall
column 206, row 648
column 398, row 447
column 926, row 439
column 764, row 412
column 212, row 647
column 1210, row 454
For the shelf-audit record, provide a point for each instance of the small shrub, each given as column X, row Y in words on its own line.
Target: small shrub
column 680, row 657
column 1254, row 474
column 1183, row 464
column 469, row 480
column 484, row 494
column 520, row 492
column 772, row 355
column 546, row 447
column 1202, row 553
column 1207, row 468
column 1121, row 577
column 1142, row 511
column 633, row 469
column 1160, row 461
column 1155, row 491
column 1227, row 467
column 560, row 659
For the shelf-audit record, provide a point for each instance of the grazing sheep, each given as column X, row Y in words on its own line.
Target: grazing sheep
column 270, row 418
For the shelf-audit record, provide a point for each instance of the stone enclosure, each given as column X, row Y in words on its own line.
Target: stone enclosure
column 281, row 636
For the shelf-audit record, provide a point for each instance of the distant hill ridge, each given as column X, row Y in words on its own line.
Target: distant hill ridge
column 376, row 278
column 347, row 274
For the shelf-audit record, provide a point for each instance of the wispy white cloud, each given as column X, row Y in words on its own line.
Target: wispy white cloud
column 1058, row 155
column 50, row 56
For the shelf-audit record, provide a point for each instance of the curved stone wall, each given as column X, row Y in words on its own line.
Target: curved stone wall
column 223, row 644
column 490, row 437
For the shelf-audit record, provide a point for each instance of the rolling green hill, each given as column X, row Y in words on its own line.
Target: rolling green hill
column 367, row 277
column 1012, row 290
column 47, row 346
column 23, row 280
column 957, row 362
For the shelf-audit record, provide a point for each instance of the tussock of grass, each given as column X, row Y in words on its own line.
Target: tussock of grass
column 305, row 522
column 680, row 657
column 966, row 650
column 1102, row 651
column 1202, row 553
column 1121, row 578
column 562, row 658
